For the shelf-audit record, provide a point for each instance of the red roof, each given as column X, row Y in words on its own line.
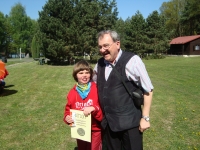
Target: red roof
column 184, row 39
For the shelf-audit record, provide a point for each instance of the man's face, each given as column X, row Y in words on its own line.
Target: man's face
column 108, row 48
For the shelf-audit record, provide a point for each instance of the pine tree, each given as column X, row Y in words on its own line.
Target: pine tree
column 120, row 27
column 69, row 27
column 158, row 42
column 135, row 34
column 54, row 22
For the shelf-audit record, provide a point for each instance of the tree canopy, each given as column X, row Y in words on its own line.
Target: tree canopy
column 68, row 28
column 135, row 33
column 3, row 32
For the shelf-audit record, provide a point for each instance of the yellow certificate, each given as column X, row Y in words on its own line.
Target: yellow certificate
column 81, row 128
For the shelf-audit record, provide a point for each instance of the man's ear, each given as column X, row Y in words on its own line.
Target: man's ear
column 118, row 44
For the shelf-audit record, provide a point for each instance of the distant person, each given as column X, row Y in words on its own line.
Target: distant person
column 123, row 121
column 83, row 96
column 3, row 74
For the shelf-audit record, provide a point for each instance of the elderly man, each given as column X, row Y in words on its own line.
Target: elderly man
column 123, row 122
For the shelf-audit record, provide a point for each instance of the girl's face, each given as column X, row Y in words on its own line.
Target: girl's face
column 83, row 77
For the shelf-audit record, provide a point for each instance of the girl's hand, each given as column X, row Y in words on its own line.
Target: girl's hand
column 69, row 119
column 87, row 110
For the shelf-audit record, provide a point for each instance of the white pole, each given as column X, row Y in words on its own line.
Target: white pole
column 20, row 53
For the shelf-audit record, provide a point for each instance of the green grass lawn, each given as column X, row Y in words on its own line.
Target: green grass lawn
column 32, row 106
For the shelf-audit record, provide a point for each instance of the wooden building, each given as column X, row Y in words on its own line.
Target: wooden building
column 185, row 45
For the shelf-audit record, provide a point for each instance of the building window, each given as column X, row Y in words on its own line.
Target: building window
column 197, row 48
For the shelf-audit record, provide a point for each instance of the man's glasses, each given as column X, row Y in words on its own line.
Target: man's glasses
column 105, row 46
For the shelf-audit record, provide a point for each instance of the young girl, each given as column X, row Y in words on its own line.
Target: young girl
column 83, row 96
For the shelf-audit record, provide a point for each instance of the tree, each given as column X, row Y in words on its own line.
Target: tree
column 69, row 27
column 157, row 34
column 54, row 23
column 3, row 33
column 190, row 17
column 172, row 11
column 95, row 16
column 135, row 33
column 22, row 31
column 36, row 45
column 120, row 27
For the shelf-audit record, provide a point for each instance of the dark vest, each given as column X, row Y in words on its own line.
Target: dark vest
column 119, row 110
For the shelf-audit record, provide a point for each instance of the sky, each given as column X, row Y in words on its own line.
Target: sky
column 126, row 8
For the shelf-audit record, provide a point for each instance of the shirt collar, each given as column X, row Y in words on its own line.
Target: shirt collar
column 116, row 60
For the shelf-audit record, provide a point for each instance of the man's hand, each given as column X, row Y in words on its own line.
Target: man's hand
column 144, row 125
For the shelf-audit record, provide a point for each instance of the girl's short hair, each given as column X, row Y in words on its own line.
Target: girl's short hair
column 80, row 66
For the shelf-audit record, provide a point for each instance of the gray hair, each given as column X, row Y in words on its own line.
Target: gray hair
column 114, row 35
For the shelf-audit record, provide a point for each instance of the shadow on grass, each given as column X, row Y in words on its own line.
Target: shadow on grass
column 7, row 86
column 6, row 91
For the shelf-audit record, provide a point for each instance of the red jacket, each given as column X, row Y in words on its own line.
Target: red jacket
column 76, row 102
column 3, row 71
